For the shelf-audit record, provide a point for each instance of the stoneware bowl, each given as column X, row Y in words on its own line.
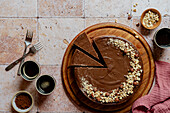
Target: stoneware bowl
column 157, row 23
column 165, row 32
column 15, row 106
column 45, row 84
column 23, row 70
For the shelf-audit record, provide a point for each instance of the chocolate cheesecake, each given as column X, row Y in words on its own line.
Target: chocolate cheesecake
column 121, row 77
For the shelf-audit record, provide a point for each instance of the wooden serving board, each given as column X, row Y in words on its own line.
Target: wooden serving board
column 111, row 29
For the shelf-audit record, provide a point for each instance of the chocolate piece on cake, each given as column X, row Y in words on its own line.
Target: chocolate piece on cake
column 81, row 59
column 85, row 43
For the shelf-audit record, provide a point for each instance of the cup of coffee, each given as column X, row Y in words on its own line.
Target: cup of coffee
column 162, row 38
column 30, row 70
column 45, row 84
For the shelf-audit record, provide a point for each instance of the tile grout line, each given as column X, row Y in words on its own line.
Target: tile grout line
column 37, row 30
column 63, row 17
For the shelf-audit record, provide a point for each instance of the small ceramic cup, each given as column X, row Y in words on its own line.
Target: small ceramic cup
column 45, row 84
column 30, row 70
column 162, row 38
column 14, row 103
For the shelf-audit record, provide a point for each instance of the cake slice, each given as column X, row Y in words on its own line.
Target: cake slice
column 81, row 59
column 85, row 43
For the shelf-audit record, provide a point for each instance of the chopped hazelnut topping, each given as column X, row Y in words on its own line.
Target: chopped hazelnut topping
column 116, row 100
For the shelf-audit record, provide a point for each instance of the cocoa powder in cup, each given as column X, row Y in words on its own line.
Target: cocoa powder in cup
column 23, row 101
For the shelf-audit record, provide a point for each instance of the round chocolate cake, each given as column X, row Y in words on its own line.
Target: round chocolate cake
column 119, row 76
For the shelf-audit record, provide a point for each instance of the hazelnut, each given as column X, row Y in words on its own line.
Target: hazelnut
column 131, row 69
column 125, row 51
column 116, row 100
column 121, row 86
column 107, row 94
column 110, row 91
column 137, row 25
column 129, row 17
column 95, row 89
column 134, row 10
column 117, row 94
column 92, row 95
column 136, row 55
column 136, row 83
column 98, row 99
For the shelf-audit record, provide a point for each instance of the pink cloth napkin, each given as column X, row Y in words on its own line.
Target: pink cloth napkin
column 158, row 100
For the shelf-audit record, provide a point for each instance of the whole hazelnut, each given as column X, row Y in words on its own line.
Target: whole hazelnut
column 92, row 95
column 116, row 99
column 98, row 99
column 110, row 91
column 136, row 83
column 125, row 51
column 121, row 86
column 95, row 89
column 136, row 55
column 107, row 94
column 131, row 69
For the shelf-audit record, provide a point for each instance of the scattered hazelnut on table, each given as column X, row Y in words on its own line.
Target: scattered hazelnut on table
column 137, row 25
column 129, row 16
column 134, row 10
column 115, row 20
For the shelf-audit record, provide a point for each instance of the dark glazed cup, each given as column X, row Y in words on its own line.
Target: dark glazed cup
column 162, row 38
column 45, row 84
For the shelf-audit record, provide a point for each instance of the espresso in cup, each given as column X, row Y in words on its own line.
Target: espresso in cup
column 45, row 84
column 162, row 38
column 30, row 70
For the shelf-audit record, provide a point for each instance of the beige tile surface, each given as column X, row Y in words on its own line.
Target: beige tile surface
column 53, row 8
column 12, row 37
column 52, row 32
column 107, row 8
column 18, row 8
column 92, row 21
column 160, row 5
column 52, row 21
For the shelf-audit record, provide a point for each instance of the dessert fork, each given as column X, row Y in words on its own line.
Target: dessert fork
column 28, row 41
column 34, row 49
